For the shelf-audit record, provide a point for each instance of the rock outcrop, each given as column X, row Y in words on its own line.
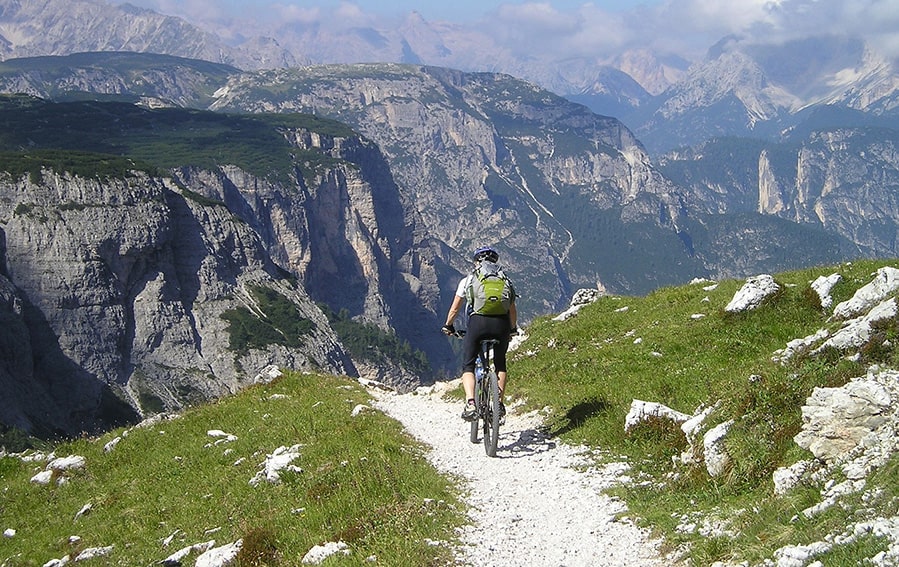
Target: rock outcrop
column 126, row 296
column 836, row 420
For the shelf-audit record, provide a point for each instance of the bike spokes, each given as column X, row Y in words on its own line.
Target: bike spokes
column 491, row 416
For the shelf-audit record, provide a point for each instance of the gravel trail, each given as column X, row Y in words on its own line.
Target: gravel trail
column 534, row 504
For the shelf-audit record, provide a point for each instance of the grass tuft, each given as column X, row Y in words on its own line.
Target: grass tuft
column 259, row 548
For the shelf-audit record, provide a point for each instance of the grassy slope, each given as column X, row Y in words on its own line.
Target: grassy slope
column 78, row 136
column 363, row 482
column 651, row 348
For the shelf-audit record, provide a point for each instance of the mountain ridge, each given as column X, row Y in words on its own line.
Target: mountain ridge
column 563, row 191
column 644, row 89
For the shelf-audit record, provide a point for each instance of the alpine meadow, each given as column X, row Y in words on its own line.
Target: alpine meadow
column 226, row 258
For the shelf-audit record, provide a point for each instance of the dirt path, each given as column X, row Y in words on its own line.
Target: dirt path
column 532, row 504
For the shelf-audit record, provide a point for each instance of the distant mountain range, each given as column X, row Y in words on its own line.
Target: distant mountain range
column 748, row 162
column 737, row 90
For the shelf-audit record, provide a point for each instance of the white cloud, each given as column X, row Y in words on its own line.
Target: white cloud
column 192, row 10
column 725, row 15
column 293, row 14
column 352, row 14
column 542, row 30
column 537, row 15
column 684, row 26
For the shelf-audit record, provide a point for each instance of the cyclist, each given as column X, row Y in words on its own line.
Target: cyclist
column 500, row 327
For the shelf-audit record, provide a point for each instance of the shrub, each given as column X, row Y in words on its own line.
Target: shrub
column 259, row 548
column 14, row 440
column 365, row 341
column 280, row 323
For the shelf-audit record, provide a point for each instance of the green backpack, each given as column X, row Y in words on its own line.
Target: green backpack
column 490, row 291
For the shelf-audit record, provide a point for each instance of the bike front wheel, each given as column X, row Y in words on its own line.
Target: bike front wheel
column 474, row 427
column 491, row 417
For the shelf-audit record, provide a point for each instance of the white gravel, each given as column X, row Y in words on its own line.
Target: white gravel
column 537, row 502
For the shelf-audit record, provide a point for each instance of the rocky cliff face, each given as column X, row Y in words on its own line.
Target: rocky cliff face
column 485, row 158
column 129, row 295
column 381, row 227
column 343, row 231
column 571, row 198
column 159, row 81
column 838, row 181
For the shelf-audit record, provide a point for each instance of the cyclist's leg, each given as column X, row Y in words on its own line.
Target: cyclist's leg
column 502, row 330
column 470, row 347
column 469, row 413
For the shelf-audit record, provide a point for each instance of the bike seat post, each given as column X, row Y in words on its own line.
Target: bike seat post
column 487, row 351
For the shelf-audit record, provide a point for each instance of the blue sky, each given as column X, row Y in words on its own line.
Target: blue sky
column 568, row 27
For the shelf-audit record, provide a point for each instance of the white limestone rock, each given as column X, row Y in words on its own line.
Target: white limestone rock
column 753, row 293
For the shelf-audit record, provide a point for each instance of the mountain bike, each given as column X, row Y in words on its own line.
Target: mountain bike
column 486, row 396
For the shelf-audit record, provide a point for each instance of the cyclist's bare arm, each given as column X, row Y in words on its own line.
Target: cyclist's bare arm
column 451, row 316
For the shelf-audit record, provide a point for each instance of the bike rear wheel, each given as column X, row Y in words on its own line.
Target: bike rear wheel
column 491, row 416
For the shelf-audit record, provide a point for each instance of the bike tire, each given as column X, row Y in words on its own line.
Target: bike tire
column 474, row 423
column 492, row 417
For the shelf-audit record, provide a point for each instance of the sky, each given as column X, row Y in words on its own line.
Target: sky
column 461, row 11
column 575, row 27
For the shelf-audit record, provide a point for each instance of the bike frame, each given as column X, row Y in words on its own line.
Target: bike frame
column 486, row 398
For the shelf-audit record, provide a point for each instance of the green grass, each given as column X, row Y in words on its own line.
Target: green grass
column 366, row 483
column 363, row 482
column 588, row 370
column 83, row 164
column 111, row 139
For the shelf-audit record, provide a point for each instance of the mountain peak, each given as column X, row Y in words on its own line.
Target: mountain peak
column 35, row 28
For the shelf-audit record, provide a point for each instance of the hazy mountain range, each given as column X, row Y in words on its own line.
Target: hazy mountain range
column 741, row 86
column 359, row 204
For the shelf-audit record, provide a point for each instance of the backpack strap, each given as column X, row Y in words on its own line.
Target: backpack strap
column 469, row 289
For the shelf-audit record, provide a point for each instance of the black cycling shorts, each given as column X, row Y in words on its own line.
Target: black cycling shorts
column 486, row 327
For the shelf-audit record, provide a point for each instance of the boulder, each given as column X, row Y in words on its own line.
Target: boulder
column 885, row 283
column 753, row 293
column 823, row 286
column 580, row 298
column 786, row 478
column 279, row 460
column 835, row 420
column 318, row 554
column 716, row 457
column 856, row 332
column 220, row 556
column 691, row 429
column 641, row 411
